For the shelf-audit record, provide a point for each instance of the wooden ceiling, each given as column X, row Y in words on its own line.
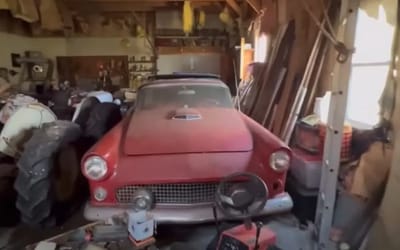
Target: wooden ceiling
column 237, row 6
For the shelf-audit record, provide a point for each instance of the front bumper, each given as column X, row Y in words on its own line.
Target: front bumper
column 186, row 214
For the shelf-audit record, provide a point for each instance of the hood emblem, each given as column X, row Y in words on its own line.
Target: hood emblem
column 186, row 114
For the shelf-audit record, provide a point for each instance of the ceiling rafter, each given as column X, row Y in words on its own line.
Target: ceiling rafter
column 138, row 5
column 105, row 6
column 140, row 1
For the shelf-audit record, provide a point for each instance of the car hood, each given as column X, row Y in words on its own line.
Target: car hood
column 171, row 131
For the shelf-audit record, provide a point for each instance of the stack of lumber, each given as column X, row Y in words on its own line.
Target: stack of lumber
column 284, row 88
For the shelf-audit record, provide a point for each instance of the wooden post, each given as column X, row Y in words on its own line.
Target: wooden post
column 242, row 45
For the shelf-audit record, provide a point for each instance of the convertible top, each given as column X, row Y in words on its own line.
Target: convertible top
column 178, row 75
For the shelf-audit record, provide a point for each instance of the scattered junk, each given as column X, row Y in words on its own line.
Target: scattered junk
column 42, row 148
column 35, row 76
column 239, row 196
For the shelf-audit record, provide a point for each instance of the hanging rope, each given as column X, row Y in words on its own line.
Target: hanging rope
column 255, row 24
column 343, row 51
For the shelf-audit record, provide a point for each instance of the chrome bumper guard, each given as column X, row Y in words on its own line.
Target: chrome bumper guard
column 186, row 214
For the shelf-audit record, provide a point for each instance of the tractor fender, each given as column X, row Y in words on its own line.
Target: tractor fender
column 19, row 126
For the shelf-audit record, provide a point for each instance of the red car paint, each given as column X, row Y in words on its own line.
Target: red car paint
column 169, row 136
column 149, row 147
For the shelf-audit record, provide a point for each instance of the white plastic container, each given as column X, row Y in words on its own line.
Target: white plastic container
column 140, row 225
column 306, row 168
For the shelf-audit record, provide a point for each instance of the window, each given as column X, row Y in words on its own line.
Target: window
column 260, row 48
column 370, row 65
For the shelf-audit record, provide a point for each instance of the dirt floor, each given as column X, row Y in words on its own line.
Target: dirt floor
column 290, row 235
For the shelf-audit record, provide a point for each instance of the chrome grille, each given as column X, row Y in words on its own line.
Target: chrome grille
column 183, row 193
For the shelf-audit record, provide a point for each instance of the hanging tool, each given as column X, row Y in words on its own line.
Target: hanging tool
column 187, row 17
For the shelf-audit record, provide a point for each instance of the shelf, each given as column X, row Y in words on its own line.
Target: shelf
column 142, row 71
column 167, row 50
column 142, row 62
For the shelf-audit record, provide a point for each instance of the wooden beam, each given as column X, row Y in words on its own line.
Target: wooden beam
column 255, row 4
column 235, row 6
column 144, row 1
column 137, row 5
column 88, row 6
column 66, row 16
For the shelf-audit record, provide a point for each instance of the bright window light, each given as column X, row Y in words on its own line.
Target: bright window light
column 260, row 48
column 370, row 65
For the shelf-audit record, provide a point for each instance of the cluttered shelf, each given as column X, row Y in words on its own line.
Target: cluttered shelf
column 143, row 71
column 141, row 61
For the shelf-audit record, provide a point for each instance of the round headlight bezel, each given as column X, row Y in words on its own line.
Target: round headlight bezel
column 280, row 161
column 93, row 162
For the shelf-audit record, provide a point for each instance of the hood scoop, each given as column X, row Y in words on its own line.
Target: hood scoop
column 185, row 114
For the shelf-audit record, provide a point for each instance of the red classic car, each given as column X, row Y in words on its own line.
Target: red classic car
column 168, row 155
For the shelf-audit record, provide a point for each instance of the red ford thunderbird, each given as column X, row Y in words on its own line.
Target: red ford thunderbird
column 168, row 155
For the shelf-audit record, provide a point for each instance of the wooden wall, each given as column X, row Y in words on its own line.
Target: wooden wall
column 277, row 13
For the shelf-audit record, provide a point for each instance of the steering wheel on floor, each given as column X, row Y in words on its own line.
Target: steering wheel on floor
column 241, row 195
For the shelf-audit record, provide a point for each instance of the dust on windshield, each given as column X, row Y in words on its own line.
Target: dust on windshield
column 176, row 96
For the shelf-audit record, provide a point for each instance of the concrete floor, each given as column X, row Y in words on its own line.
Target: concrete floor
column 290, row 236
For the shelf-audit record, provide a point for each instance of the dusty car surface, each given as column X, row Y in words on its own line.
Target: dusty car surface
column 168, row 155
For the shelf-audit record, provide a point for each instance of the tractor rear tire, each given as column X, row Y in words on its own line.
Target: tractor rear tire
column 104, row 116
column 36, row 181
column 9, row 215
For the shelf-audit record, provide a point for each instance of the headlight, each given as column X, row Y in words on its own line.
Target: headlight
column 95, row 168
column 279, row 161
column 142, row 199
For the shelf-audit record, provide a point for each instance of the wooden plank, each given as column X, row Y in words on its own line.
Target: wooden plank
column 274, row 95
column 310, row 98
column 241, row 66
column 300, row 95
column 260, row 73
column 252, row 95
column 255, row 4
column 269, row 126
column 235, row 6
column 298, row 58
column 278, row 60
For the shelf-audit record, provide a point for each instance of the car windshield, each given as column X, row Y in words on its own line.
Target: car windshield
column 190, row 96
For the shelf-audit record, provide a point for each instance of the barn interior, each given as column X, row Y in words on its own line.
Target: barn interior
column 133, row 124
